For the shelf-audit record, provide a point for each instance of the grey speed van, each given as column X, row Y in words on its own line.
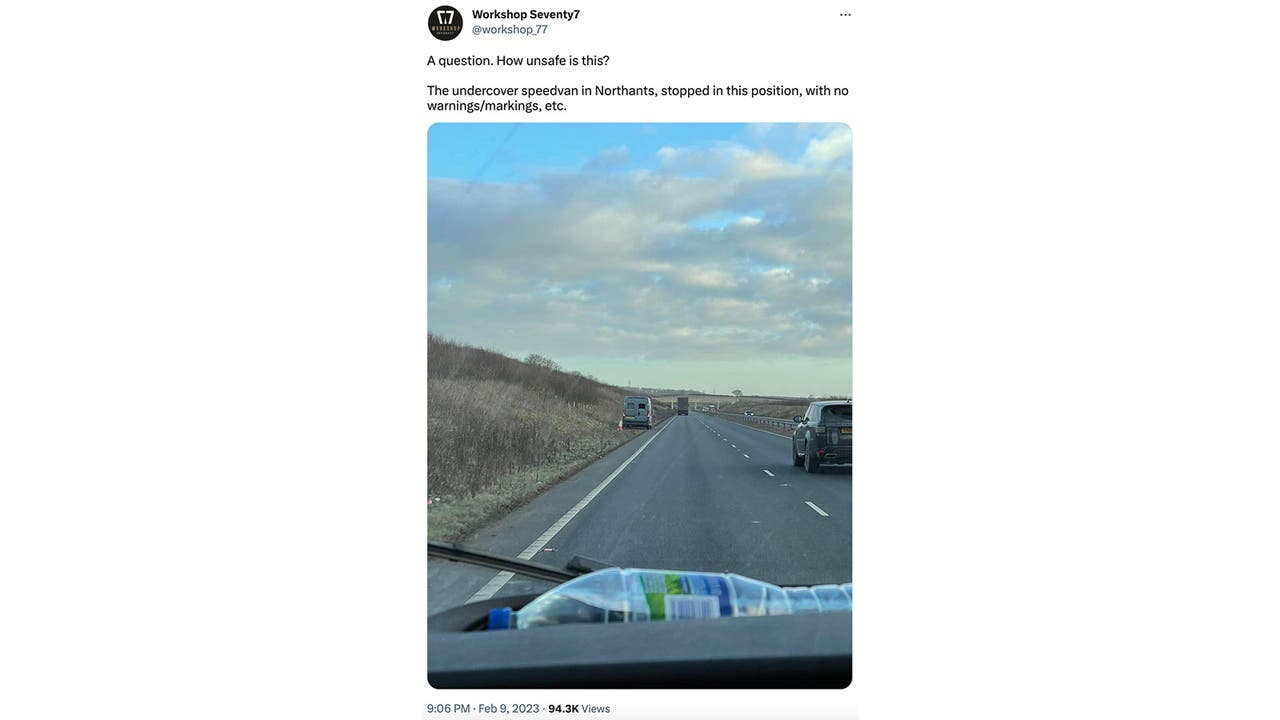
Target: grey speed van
column 637, row 412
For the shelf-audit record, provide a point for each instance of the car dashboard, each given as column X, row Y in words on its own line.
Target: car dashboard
column 789, row 651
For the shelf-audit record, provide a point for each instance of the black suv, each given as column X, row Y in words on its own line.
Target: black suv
column 823, row 435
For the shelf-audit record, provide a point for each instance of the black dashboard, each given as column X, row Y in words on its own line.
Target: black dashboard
column 790, row 651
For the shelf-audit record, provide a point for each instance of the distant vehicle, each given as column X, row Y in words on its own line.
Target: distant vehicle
column 748, row 412
column 823, row 435
column 682, row 406
column 711, row 408
column 637, row 412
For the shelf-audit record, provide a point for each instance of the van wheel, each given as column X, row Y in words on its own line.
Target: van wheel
column 795, row 457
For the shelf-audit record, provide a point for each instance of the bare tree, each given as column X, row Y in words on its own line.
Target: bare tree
column 542, row 361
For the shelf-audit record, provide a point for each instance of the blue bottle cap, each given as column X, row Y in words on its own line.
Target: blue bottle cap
column 500, row 619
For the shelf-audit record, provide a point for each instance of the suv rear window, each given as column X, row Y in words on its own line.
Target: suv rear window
column 641, row 406
column 837, row 413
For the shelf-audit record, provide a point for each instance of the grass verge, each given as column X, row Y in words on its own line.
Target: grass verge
column 501, row 430
column 455, row 518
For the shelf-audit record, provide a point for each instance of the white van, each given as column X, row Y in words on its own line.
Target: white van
column 637, row 412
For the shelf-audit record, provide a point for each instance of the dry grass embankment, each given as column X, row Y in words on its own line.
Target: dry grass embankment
column 500, row 431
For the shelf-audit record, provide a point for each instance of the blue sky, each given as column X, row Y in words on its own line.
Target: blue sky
column 509, row 152
column 709, row 256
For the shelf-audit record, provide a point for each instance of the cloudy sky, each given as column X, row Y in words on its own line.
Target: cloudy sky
column 706, row 256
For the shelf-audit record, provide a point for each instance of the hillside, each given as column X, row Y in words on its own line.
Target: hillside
column 501, row 430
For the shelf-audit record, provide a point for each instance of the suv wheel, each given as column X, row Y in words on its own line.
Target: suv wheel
column 795, row 456
column 810, row 463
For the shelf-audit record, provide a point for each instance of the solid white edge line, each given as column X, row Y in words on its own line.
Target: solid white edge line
column 816, row 509
column 496, row 583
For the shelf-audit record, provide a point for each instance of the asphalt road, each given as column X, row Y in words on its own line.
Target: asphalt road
column 695, row 493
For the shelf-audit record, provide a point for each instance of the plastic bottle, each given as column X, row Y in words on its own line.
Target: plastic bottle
column 628, row 595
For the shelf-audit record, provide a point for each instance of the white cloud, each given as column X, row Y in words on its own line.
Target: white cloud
column 590, row 263
column 836, row 145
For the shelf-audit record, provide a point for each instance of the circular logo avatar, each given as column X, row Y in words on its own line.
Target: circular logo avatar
column 445, row 22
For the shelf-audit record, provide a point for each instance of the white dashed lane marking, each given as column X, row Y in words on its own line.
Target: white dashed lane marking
column 816, row 509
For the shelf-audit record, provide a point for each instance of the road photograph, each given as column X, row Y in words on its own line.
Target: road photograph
column 639, row 434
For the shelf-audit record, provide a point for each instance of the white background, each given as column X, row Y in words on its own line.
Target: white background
column 212, row 322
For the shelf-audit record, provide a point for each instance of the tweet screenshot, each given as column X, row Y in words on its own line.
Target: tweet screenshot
column 663, row 359
column 639, row 306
